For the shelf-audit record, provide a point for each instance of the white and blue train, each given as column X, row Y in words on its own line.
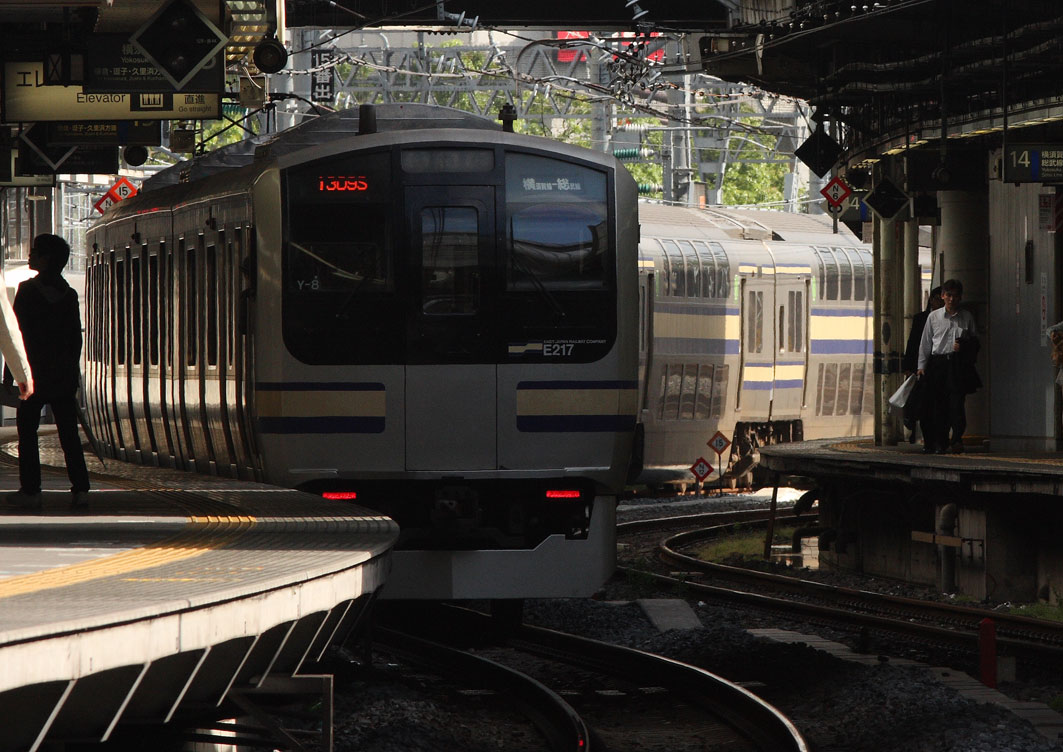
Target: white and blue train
column 756, row 324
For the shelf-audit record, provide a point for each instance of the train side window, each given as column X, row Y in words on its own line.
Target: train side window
column 168, row 326
column 192, row 306
column 677, row 271
column 136, row 308
column 693, row 264
column 153, row 309
column 844, row 377
column 719, row 390
column 869, row 390
column 860, row 270
column 689, row 391
column 856, row 391
column 123, row 308
column 673, row 387
column 794, row 321
column 664, row 276
column 755, row 322
column 845, row 277
column 708, row 269
column 210, row 291
column 644, row 317
column 829, row 388
column 830, row 269
column 703, row 399
column 723, row 270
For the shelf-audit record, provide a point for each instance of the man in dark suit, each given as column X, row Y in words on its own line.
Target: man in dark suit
column 915, row 411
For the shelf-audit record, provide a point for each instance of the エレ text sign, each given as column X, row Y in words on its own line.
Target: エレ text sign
column 27, row 99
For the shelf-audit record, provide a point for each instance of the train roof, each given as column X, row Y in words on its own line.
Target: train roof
column 748, row 224
column 314, row 131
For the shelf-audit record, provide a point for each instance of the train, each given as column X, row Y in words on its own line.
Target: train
column 404, row 306
column 484, row 335
column 754, row 325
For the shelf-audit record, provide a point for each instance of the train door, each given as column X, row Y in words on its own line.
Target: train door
column 757, row 379
column 451, row 391
column 790, row 352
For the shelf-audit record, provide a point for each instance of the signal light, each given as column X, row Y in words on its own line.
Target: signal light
column 562, row 493
column 340, row 495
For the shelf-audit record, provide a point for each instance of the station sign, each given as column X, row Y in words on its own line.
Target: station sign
column 113, row 64
column 1033, row 163
column 103, row 133
column 28, row 99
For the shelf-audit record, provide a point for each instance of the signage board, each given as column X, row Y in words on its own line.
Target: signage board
column 93, row 160
column 701, row 469
column 114, row 64
column 323, row 81
column 719, row 442
column 28, row 99
column 1033, row 163
column 836, row 191
column 180, row 41
column 115, row 133
column 886, row 199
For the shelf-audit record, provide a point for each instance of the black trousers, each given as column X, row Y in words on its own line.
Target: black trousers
column 28, row 420
column 947, row 412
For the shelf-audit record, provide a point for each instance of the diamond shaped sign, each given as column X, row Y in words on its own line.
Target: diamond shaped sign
column 819, row 152
column 836, row 191
column 180, row 41
column 701, row 469
column 886, row 199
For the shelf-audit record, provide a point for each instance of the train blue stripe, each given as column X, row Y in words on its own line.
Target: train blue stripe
column 700, row 309
column 756, row 386
column 841, row 347
column 696, row 346
column 319, row 386
column 789, row 383
column 329, row 424
column 575, row 423
column 842, row 312
column 578, row 385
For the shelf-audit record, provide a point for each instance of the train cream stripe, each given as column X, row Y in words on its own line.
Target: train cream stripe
column 576, row 401
column 793, row 269
column 696, row 325
column 840, row 327
column 321, row 404
column 790, row 372
column 201, row 534
column 758, row 372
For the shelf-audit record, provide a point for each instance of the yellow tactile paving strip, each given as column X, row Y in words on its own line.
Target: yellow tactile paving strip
column 202, row 534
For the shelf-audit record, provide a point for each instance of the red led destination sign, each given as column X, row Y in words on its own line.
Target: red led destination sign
column 331, row 183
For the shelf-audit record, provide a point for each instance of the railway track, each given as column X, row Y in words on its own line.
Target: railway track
column 588, row 695
column 1024, row 637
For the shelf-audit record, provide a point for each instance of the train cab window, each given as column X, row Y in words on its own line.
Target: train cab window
column 693, row 265
column 449, row 260
column 678, row 285
column 845, row 274
column 557, row 221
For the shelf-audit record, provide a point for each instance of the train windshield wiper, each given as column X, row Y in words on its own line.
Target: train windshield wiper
column 537, row 283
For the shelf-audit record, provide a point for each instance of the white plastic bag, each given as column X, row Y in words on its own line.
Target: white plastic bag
column 900, row 397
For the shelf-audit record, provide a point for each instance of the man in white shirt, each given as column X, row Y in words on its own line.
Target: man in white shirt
column 946, row 360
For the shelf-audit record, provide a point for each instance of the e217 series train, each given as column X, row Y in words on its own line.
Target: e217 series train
column 460, row 327
column 407, row 306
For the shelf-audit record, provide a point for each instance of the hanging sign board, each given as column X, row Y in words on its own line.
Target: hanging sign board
column 1033, row 163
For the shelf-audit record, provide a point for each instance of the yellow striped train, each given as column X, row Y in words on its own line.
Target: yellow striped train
column 756, row 324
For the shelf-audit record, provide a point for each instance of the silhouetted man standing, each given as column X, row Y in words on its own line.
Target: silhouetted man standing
column 47, row 311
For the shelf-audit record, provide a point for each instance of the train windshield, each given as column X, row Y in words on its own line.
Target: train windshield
column 557, row 218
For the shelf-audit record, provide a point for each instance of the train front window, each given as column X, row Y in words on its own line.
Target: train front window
column 557, row 220
column 449, row 260
column 349, row 256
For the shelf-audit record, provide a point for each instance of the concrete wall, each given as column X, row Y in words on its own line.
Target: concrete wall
column 1023, row 406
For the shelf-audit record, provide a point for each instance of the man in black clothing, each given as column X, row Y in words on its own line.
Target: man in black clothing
column 47, row 311
column 916, row 408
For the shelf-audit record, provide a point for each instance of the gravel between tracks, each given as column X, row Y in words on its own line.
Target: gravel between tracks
column 839, row 706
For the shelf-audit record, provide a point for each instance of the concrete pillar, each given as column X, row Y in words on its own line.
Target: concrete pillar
column 964, row 241
column 889, row 327
column 913, row 281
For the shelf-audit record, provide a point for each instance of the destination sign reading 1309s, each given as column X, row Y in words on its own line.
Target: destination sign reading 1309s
column 330, row 183
column 1033, row 163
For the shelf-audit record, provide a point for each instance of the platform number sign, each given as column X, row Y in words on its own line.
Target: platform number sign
column 123, row 188
column 701, row 469
column 719, row 443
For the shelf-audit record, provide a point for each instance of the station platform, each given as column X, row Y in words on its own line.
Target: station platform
column 169, row 594
column 981, row 523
